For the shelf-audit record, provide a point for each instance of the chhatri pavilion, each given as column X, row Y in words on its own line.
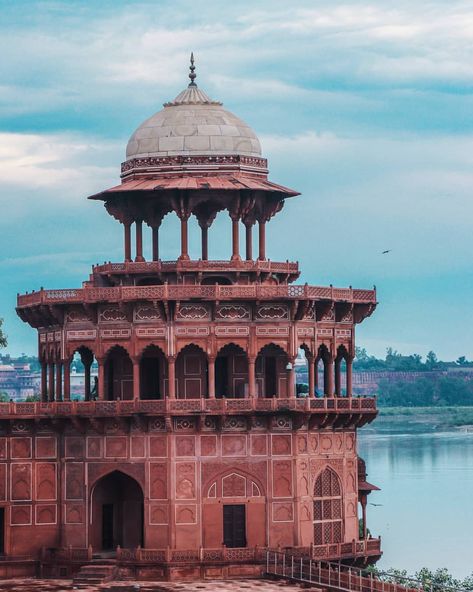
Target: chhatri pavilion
column 192, row 450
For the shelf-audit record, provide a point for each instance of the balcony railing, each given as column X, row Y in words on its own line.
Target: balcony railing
column 370, row 547
column 188, row 406
column 135, row 267
column 180, row 292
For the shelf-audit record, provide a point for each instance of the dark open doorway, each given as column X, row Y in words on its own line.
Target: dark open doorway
column 234, row 525
column 117, row 513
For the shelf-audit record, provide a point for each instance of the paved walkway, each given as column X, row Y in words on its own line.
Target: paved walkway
column 33, row 585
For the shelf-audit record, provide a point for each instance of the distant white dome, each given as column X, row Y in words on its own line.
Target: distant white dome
column 193, row 125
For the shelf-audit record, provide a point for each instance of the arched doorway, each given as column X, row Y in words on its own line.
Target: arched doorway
column 328, row 508
column 117, row 513
column 152, row 373
column 231, row 372
column 118, row 375
column 271, row 373
column 191, row 373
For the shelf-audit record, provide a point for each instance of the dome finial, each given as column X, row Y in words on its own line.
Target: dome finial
column 192, row 74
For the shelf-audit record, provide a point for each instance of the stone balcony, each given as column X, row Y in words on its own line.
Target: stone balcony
column 90, row 295
column 322, row 412
column 288, row 268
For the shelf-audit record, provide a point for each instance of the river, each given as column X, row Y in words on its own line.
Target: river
column 425, row 511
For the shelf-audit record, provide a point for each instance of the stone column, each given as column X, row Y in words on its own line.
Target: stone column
column 139, row 240
column 338, row 378
column 87, row 365
column 101, row 378
column 44, row 382
column 262, row 241
column 328, row 377
column 252, row 378
column 291, row 380
column 211, row 377
column 51, row 382
column 311, row 365
column 316, row 374
column 249, row 242
column 67, row 379
column 235, row 239
column 184, row 240
column 363, row 513
column 349, row 363
column 127, row 241
column 205, row 243
column 155, row 241
column 136, row 378
column 172, row 377
column 59, row 381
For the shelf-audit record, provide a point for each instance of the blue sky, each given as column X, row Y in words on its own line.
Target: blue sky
column 366, row 108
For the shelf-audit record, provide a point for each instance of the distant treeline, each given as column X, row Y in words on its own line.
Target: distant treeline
column 396, row 362
column 426, row 392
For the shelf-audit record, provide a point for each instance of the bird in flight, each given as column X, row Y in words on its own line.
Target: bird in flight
column 387, row 251
column 371, row 504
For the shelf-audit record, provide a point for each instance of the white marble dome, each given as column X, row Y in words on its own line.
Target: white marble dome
column 193, row 125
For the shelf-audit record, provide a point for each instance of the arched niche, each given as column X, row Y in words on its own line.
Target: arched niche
column 118, row 375
column 328, row 508
column 117, row 510
column 191, row 373
column 153, row 373
column 231, row 372
column 271, row 372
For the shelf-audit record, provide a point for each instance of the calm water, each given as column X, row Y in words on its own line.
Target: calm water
column 426, row 516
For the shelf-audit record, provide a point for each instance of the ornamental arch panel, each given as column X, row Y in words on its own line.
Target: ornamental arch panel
column 117, row 511
column 328, row 508
column 118, row 371
column 231, row 372
column 191, row 372
column 271, row 373
column 153, row 372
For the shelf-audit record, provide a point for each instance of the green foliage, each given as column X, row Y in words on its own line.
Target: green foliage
column 3, row 337
column 425, row 579
column 396, row 362
column 426, row 392
column 32, row 399
column 4, row 398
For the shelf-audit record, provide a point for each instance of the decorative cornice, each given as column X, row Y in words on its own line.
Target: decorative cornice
column 165, row 164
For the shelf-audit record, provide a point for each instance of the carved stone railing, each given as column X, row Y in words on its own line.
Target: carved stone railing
column 181, row 292
column 342, row 405
column 363, row 548
column 140, row 267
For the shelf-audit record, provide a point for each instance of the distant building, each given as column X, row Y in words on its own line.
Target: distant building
column 18, row 381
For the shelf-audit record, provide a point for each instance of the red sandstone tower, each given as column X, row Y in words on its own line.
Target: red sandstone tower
column 192, row 452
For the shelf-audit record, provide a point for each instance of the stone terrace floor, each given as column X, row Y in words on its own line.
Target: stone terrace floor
column 35, row 585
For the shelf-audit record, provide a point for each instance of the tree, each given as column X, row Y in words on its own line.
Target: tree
column 431, row 360
column 3, row 337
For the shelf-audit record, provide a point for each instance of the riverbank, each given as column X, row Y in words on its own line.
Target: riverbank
column 422, row 419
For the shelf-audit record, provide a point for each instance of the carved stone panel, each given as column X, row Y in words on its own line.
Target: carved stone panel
column 74, row 480
column 46, row 514
column 281, row 444
column 185, row 480
column 158, row 489
column 20, row 447
column 234, row 445
column 46, row 479
column 158, row 514
column 46, row 447
column 282, row 478
column 21, row 482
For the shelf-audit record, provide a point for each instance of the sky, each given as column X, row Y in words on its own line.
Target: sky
column 365, row 108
